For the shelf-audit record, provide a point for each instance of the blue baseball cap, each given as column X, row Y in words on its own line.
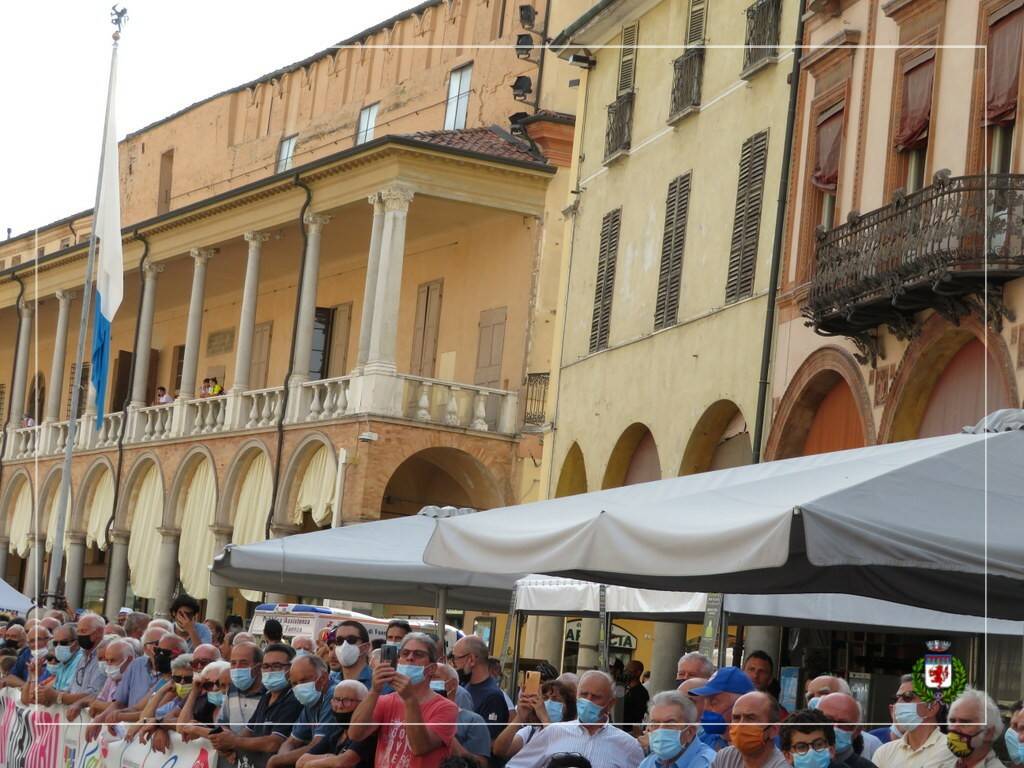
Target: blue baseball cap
column 725, row 680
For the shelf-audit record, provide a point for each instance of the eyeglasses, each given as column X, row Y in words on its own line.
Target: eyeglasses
column 817, row 745
column 350, row 639
column 63, row 642
column 276, row 667
column 409, row 653
column 181, row 678
column 344, row 702
column 906, row 697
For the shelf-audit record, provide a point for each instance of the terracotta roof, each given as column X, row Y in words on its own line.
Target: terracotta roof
column 491, row 141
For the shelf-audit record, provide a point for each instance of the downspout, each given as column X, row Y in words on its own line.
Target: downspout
column 291, row 357
column 119, row 467
column 10, row 388
column 780, row 222
column 543, row 54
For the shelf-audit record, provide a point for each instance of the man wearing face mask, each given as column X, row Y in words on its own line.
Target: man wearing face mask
column 472, row 664
column 1014, row 736
column 922, row 745
column 89, row 676
column 275, row 714
column 590, row 735
column 724, row 688
column 352, row 650
column 711, row 730
column 311, row 686
column 69, row 656
column 974, row 724
column 341, row 751
column 752, row 731
column 35, row 646
column 845, row 712
column 672, row 734
column 415, row 726
column 246, row 690
column 120, row 655
column 808, row 740
column 472, row 740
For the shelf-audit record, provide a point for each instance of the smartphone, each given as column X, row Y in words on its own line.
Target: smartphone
column 532, row 683
column 389, row 655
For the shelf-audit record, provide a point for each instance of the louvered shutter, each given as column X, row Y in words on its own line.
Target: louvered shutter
column 605, row 284
column 627, row 58
column 747, row 220
column 677, row 204
column 695, row 29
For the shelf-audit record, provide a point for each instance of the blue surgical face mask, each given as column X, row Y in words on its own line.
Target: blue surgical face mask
column 306, row 693
column 588, row 712
column 812, row 758
column 63, row 653
column 53, row 669
column 241, row 678
column 713, row 723
column 666, row 743
column 844, row 739
column 438, row 686
column 413, row 671
column 1014, row 746
column 216, row 698
column 275, row 681
column 556, row 710
column 813, row 702
column 906, row 714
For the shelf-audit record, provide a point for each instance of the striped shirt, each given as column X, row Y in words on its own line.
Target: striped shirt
column 608, row 748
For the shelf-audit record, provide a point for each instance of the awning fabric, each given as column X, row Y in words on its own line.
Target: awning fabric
column 21, row 521
column 144, row 543
column 195, row 550
column 99, row 511
column 933, row 523
column 252, row 509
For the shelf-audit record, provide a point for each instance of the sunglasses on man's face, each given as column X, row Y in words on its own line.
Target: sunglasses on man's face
column 63, row 642
column 181, row 679
column 907, row 697
column 350, row 639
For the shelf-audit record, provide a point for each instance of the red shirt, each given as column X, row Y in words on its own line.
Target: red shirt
column 393, row 751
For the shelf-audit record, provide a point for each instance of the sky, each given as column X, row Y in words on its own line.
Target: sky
column 55, row 60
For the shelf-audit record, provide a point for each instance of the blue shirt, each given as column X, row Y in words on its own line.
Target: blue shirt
column 139, row 680
column 472, row 733
column 365, row 677
column 20, row 668
column 489, row 703
column 715, row 741
column 696, row 755
column 66, row 673
column 205, row 636
column 317, row 719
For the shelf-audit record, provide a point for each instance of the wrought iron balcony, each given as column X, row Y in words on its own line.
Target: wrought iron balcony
column 687, row 76
column 762, row 38
column 536, row 397
column 620, row 126
column 939, row 248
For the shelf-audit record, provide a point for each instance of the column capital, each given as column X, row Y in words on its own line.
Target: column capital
column 202, row 255
column 221, row 530
column 75, row 537
column 26, row 308
column 151, row 270
column 280, row 530
column 375, row 200
column 119, row 536
column 65, row 296
column 169, row 533
column 396, row 197
column 315, row 221
column 256, row 237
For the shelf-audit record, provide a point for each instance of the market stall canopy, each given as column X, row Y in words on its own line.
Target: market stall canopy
column 12, row 601
column 552, row 595
column 935, row 523
column 380, row 561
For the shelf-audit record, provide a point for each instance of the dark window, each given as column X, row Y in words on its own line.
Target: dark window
column 319, row 357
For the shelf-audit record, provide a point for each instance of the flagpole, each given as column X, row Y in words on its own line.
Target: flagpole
column 57, row 558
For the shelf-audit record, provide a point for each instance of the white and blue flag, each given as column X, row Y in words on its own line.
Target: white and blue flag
column 110, row 265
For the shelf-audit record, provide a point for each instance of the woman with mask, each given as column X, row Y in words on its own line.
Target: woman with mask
column 341, row 751
column 556, row 704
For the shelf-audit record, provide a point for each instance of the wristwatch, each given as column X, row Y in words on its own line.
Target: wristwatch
column 60, row 698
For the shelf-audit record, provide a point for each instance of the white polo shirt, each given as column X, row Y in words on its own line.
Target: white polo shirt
column 933, row 753
column 609, row 747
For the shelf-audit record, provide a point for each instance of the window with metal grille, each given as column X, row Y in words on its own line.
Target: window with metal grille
column 747, row 218
column 605, row 285
column 677, row 204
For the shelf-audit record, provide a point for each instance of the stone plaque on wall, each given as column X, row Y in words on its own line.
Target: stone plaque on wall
column 220, row 342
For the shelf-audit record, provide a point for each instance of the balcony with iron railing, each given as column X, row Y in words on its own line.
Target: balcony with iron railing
column 536, row 398
column 947, row 247
column 761, row 42
column 687, row 78
column 620, row 127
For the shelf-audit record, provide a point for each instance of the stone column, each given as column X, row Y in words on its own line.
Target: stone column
column 590, row 636
column 17, row 407
column 35, row 584
column 73, row 568
column 194, row 329
column 372, row 270
column 60, row 346
column 247, row 315
column 315, row 223
column 167, row 568
column 117, row 584
column 217, row 597
column 543, row 638
column 762, row 638
column 384, row 328
column 140, row 397
column 669, row 643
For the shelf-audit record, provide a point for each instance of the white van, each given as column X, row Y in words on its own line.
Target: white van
column 313, row 620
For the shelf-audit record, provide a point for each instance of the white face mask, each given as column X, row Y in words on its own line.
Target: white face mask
column 347, row 653
column 40, row 652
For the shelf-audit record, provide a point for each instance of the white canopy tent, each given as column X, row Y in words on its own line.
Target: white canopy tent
column 935, row 523
column 12, row 601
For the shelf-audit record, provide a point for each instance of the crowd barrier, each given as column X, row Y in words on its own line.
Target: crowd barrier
column 42, row 737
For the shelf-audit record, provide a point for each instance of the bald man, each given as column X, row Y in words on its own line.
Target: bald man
column 845, row 712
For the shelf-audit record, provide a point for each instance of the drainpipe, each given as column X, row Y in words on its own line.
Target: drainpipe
column 10, row 388
column 119, row 467
column 543, row 54
column 291, row 357
column 780, row 223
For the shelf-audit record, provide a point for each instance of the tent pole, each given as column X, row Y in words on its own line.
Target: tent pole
column 506, row 635
column 518, row 618
column 602, row 658
column 723, row 637
column 439, row 618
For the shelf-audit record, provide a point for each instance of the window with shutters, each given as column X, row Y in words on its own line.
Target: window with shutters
column 697, row 22
column 627, row 58
column 677, row 204
column 747, row 218
column 605, row 284
column 618, row 132
column 1002, row 82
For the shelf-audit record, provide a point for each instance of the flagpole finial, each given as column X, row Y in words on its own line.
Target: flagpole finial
column 118, row 17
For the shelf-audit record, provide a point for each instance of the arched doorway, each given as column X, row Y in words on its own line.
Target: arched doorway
column 634, row 459
column 573, row 477
column 836, row 425
column 312, row 479
column 441, row 477
column 94, row 511
column 970, row 387
column 720, row 440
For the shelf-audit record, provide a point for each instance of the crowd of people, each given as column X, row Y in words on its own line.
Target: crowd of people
column 342, row 701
